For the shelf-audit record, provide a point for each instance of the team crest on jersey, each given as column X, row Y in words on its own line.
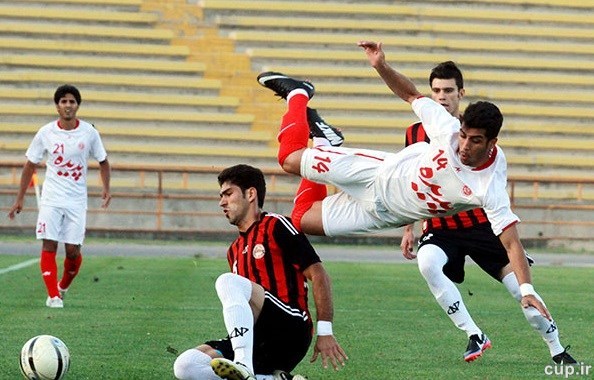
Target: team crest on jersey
column 81, row 145
column 258, row 251
column 467, row 191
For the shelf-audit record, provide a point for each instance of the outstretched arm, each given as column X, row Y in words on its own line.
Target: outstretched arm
column 326, row 344
column 517, row 258
column 400, row 85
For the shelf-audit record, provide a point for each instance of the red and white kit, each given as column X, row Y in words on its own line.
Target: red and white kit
column 65, row 183
column 422, row 181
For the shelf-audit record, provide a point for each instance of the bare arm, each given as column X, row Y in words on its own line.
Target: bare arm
column 400, row 85
column 408, row 241
column 105, row 170
column 26, row 176
column 517, row 258
column 326, row 345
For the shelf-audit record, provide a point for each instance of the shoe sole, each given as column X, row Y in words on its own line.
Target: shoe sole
column 473, row 357
column 262, row 79
column 226, row 371
column 265, row 77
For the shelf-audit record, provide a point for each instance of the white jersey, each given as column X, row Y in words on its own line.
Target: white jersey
column 421, row 181
column 67, row 152
column 428, row 180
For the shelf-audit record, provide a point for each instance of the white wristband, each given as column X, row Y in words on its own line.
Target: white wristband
column 527, row 290
column 324, row 328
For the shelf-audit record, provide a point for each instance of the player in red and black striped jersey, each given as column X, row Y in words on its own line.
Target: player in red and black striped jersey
column 265, row 296
column 446, row 241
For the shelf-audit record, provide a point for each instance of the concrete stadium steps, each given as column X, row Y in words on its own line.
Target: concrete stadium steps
column 119, row 4
column 142, row 87
column 353, row 56
column 426, row 10
column 168, row 100
column 336, row 75
column 511, row 52
column 156, row 82
column 230, row 23
column 89, row 12
column 25, row 28
column 114, row 49
column 99, row 64
column 263, row 38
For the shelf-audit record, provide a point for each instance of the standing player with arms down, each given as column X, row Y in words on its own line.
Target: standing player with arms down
column 447, row 240
column 68, row 143
column 264, row 298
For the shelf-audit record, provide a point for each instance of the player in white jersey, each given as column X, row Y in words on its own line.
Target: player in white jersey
column 68, row 143
column 461, row 169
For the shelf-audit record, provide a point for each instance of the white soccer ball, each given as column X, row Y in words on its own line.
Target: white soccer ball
column 45, row 357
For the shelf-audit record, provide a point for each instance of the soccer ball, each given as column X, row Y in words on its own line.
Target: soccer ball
column 44, row 357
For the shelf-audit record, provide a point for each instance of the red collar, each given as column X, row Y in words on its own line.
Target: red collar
column 77, row 124
column 489, row 161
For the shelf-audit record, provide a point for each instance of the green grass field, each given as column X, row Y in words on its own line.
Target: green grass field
column 125, row 316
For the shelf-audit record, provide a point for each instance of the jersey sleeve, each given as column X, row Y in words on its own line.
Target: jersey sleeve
column 36, row 149
column 497, row 204
column 97, row 149
column 437, row 122
column 295, row 246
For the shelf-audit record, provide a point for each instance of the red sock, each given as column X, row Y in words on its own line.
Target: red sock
column 294, row 132
column 49, row 272
column 71, row 267
column 308, row 193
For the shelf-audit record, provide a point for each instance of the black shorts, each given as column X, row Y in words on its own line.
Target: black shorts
column 282, row 336
column 478, row 242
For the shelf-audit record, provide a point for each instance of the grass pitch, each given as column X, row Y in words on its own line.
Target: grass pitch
column 124, row 318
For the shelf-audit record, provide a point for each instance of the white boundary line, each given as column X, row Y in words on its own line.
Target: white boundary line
column 24, row 264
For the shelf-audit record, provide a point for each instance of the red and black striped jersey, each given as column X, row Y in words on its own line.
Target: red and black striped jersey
column 274, row 254
column 465, row 219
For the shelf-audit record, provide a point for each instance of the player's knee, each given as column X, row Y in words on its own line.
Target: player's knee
column 184, row 365
column 231, row 286
column 225, row 281
column 290, row 161
column 193, row 364
column 431, row 260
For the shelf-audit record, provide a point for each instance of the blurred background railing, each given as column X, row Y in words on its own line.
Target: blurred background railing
column 181, row 201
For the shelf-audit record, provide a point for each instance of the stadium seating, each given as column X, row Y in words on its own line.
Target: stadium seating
column 181, row 73
column 531, row 58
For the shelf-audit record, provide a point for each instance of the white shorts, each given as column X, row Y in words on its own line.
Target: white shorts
column 65, row 225
column 356, row 208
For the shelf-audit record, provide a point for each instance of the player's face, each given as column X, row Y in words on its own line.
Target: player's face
column 234, row 203
column 474, row 148
column 446, row 93
column 67, row 107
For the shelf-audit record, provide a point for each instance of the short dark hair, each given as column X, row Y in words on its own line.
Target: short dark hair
column 483, row 115
column 245, row 176
column 447, row 70
column 67, row 89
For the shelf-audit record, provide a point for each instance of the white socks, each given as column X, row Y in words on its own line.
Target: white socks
column 547, row 329
column 431, row 260
column 193, row 364
column 235, row 292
